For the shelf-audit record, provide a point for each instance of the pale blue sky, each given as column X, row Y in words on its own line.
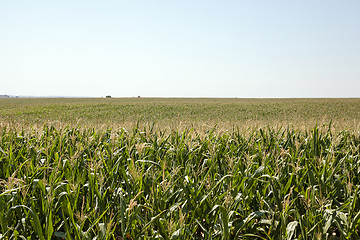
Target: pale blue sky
column 168, row 48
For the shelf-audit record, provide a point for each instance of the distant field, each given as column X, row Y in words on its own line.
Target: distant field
column 180, row 113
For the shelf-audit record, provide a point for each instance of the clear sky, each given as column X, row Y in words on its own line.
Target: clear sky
column 188, row 48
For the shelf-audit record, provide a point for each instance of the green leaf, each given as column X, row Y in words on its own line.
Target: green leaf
column 224, row 222
column 36, row 221
column 290, row 229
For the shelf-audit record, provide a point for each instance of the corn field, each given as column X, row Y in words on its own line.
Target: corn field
column 74, row 183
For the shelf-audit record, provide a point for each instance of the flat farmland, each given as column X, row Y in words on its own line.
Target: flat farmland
column 142, row 168
column 180, row 113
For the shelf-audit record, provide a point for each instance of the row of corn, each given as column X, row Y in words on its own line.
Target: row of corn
column 74, row 183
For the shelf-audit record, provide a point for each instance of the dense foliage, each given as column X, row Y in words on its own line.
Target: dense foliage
column 269, row 184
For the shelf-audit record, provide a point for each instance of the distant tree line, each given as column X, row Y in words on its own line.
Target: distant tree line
column 8, row 96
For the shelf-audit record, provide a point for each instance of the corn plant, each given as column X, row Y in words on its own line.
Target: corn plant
column 73, row 183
